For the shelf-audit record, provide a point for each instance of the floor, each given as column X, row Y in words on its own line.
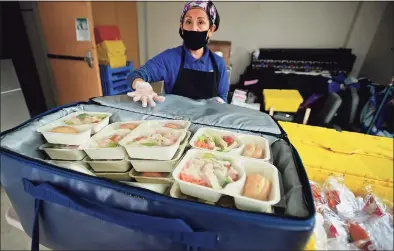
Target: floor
column 13, row 106
column 13, row 112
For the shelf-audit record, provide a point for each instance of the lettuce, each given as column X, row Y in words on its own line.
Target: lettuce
column 101, row 116
column 83, row 115
column 148, row 144
column 112, row 144
column 208, row 156
column 201, row 138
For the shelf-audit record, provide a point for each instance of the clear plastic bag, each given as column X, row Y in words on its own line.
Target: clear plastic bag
column 380, row 232
column 372, row 204
column 339, row 198
column 347, row 222
column 318, row 196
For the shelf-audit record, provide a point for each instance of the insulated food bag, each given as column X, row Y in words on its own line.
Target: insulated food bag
column 65, row 209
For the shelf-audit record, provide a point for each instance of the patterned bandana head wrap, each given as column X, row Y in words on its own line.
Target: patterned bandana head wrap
column 208, row 6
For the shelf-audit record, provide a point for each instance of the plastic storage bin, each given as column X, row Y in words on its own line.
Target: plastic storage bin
column 114, row 80
column 106, row 32
column 282, row 100
column 362, row 159
column 112, row 53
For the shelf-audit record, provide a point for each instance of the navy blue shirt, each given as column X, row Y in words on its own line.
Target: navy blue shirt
column 165, row 66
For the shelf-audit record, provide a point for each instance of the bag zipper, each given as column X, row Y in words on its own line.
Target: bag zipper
column 282, row 135
column 133, row 191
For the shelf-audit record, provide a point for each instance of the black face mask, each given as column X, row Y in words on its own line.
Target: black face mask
column 194, row 40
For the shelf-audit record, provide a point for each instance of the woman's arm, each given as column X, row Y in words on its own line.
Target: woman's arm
column 224, row 84
column 154, row 70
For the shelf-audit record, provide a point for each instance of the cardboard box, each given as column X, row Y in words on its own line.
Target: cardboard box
column 222, row 46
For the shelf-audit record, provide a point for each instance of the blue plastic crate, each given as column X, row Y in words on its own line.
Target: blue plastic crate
column 114, row 80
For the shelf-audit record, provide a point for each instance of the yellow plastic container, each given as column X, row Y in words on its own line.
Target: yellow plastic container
column 112, row 53
column 353, row 154
column 363, row 160
column 282, row 100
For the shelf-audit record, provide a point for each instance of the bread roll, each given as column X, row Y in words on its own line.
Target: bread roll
column 64, row 129
column 257, row 187
column 265, row 192
column 258, row 153
column 130, row 126
column 249, row 150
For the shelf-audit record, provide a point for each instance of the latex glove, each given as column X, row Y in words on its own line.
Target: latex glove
column 217, row 100
column 144, row 93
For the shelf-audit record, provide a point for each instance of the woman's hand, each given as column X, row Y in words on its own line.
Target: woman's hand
column 144, row 93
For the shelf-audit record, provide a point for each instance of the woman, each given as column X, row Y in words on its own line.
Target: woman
column 190, row 70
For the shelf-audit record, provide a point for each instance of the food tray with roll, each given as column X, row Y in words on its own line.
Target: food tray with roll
column 217, row 140
column 75, row 128
column 224, row 201
column 253, row 184
column 249, row 146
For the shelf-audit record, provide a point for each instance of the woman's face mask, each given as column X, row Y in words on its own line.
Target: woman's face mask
column 195, row 29
column 194, row 40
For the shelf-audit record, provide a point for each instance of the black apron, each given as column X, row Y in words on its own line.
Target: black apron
column 197, row 84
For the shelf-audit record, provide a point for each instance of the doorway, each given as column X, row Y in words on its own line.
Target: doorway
column 19, row 61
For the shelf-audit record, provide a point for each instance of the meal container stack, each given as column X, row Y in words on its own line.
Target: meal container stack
column 106, row 156
column 154, row 149
column 66, row 136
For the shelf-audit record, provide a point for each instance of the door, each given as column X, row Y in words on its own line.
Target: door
column 75, row 78
column 124, row 16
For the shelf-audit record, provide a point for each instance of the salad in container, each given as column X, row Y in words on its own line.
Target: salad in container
column 216, row 140
column 105, row 144
column 141, row 165
column 149, row 143
column 83, row 120
column 171, row 124
column 207, row 175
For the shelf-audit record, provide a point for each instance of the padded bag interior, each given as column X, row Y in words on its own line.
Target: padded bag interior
column 25, row 140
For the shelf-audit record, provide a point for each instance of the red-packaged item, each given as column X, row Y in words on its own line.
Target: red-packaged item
column 318, row 196
column 106, row 32
column 333, row 199
column 347, row 222
column 360, row 237
column 339, row 198
column 372, row 206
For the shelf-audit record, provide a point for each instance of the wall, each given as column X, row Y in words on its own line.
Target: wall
column 124, row 15
column 252, row 25
column 364, row 29
column 379, row 61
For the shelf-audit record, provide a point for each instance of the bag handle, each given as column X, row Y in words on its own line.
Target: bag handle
column 174, row 229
